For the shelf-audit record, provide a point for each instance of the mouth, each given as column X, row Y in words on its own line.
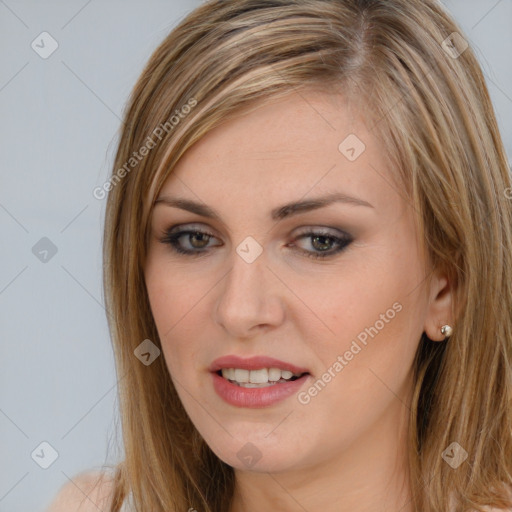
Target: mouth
column 258, row 378
column 257, row 381
column 256, row 371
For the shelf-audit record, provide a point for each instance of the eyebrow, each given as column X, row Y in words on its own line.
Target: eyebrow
column 278, row 213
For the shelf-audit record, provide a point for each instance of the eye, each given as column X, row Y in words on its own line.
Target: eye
column 198, row 240
column 324, row 243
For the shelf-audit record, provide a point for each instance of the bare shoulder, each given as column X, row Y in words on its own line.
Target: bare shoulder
column 86, row 492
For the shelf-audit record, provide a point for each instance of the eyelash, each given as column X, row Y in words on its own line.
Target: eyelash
column 172, row 239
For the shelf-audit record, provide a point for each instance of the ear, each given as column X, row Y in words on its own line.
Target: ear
column 440, row 306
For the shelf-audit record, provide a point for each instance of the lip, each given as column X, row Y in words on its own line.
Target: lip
column 255, row 398
column 253, row 363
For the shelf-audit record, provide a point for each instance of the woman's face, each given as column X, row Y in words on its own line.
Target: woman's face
column 337, row 291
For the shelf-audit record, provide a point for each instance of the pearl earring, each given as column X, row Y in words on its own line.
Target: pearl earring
column 446, row 330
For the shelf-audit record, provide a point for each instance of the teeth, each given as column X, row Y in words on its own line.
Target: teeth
column 262, row 376
column 251, row 385
column 258, row 376
column 241, row 375
column 228, row 373
column 274, row 374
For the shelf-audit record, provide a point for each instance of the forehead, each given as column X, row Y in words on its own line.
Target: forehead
column 302, row 145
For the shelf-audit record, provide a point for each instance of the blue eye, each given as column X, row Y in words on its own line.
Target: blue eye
column 323, row 241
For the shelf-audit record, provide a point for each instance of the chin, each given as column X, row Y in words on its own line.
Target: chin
column 257, row 454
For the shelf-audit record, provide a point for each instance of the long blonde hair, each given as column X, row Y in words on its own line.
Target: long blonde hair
column 423, row 95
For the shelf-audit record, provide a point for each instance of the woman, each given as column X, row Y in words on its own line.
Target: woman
column 308, row 267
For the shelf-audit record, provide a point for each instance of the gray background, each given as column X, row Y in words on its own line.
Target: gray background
column 59, row 122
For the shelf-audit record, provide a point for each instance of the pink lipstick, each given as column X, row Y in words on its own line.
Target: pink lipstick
column 256, row 382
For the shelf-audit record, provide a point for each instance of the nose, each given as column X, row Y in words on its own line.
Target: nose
column 250, row 298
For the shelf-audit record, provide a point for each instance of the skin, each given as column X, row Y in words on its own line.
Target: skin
column 344, row 450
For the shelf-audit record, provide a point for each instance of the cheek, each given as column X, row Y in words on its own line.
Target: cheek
column 175, row 304
column 364, row 370
column 173, row 290
column 372, row 313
